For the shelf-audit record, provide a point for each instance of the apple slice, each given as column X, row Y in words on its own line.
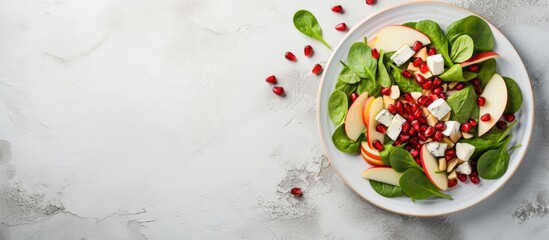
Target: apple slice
column 372, row 43
column 370, row 160
column 387, row 101
column 422, row 53
column 368, row 150
column 481, row 57
column 371, row 133
column 430, row 167
column 366, row 110
column 382, row 174
column 392, row 38
column 354, row 126
column 495, row 94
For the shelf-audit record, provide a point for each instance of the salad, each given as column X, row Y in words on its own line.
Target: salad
column 425, row 108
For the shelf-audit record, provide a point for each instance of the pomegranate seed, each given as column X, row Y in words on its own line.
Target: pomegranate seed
column 413, row 141
column 422, row 121
column 381, row 129
column 481, row 101
column 509, row 117
column 438, row 136
column 354, row 96
column 437, row 90
column 466, row 127
column 337, row 9
column 421, row 100
column 418, row 113
column 474, row 164
column 420, row 79
column 423, row 67
column 450, row 152
column 486, row 117
column 271, row 79
column 370, row 2
column 399, row 106
column 414, row 152
column 415, row 107
column 405, row 126
column 377, row 145
column 405, row 73
column 427, row 85
column 440, row 126
column 404, row 137
column 429, row 131
column 391, row 108
column 412, row 132
column 442, row 95
column 418, row 161
column 417, row 45
column 478, row 90
column 397, row 143
column 460, row 86
column 386, row 91
column 475, row 81
column 437, row 82
column 475, row 180
column 290, row 56
column 296, row 192
column 448, row 158
column 452, row 183
column 417, row 61
column 375, row 53
column 416, row 125
column 308, row 50
column 474, row 68
column 422, row 137
column 341, row 27
column 278, row 91
column 317, row 69
column 473, row 122
column 462, row 177
column 473, row 174
column 408, row 107
column 432, row 51
column 408, row 97
column 501, row 124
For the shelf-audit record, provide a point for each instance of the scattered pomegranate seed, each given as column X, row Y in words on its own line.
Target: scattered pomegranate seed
column 271, row 79
column 405, row 126
column 391, row 108
column 432, row 51
column 466, row 127
column 317, row 69
column 296, row 192
column 474, row 68
column 370, row 2
column 452, row 183
column 416, row 125
column 386, row 91
column 399, row 106
column 417, row 61
column 408, row 97
column 420, row 78
column 337, row 9
column 478, row 90
column 442, row 95
column 481, row 101
column 427, row 85
column 405, row 73
column 278, row 91
column 423, row 67
column 460, row 86
column 440, row 126
column 417, row 45
column 437, row 82
column 462, row 177
column 475, row 180
column 429, row 131
column 381, row 129
column 290, row 56
column 404, row 137
column 501, row 124
column 473, row 122
column 414, row 152
column 437, row 90
column 308, row 50
column 475, row 82
column 341, row 27
column 354, row 96
column 375, row 53
column 377, row 145
column 438, row 136
column 486, row 117
column 509, row 117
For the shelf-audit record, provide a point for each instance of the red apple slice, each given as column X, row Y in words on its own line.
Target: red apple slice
column 370, row 160
column 354, row 126
column 481, row 57
column 371, row 133
column 430, row 167
column 392, row 38
column 366, row 110
column 495, row 94
column 382, row 174
column 368, row 150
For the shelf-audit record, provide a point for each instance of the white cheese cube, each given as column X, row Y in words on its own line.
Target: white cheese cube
column 402, row 55
column 395, row 127
column 451, row 128
column 384, row 117
column 464, row 168
column 439, row 108
column 436, row 148
column 435, row 64
column 464, row 151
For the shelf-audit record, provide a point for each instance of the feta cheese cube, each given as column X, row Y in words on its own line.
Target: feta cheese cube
column 464, row 168
column 464, row 151
column 403, row 54
column 395, row 127
column 436, row 148
column 439, row 108
column 384, row 117
column 435, row 64
column 451, row 128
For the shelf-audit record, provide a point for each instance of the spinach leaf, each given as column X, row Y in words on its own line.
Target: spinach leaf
column 493, row 163
column 493, row 139
column 401, row 160
column 385, row 153
column 344, row 143
column 477, row 29
column 382, row 75
column 416, row 185
column 456, row 74
column 475, row 112
column 462, row 49
column 338, row 104
column 410, row 24
column 386, row 190
column 405, row 85
column 486, row 72
column 497, row 134
column 439, row 40
column 360, row 60
column 514, row 96
column 346, row 88
column 367, row 85
column 348, row 76
column 307, row 24
column 462, row 104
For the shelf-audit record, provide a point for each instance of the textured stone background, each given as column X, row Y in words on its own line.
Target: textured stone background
column 151, row 120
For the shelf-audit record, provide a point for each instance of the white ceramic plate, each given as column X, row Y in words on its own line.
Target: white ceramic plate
column 349, row 167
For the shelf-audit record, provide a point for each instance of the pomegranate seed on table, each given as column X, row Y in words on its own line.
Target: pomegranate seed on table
column 440, row 126
column 442, row 95
column 475, row 82
column 377, row 145
column 392, row 109
column 478, row 90
column 417, row 46
column 414, row 152
column 452, row 183
column 432, row 51
column 438, row 136
column 317, row 69
column 337, row 9
column 509, row 117
column 405, row 73
column 486, row 117
column 370, row 2
column 437, row 90
column 466, row 127
column 271, row 79
column 437, row 82
column 501, row 124
column 308, row 51
column 427, row 85
column 460, row 86
column 386, row 91
column 296, row 192
column 429, row 131
column 462, row 177
column 290, row 56
column 417, row 61
column 408, row 97
column 474, row 68
column 481, row 101
column 420, row 79
column 375, row 53
column 354, row 96
column 473, row 122
column 475, row 180
column 341, row 27
column 381, row 129
column 423, row 67
column 278, row 91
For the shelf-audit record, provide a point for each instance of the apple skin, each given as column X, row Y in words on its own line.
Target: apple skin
column 371, row 160
column 371, row 133
column 368, row 150
column 366, row 110
column 354, row 126
column 430, row 167
column 382, row 174
column 393, row 37
column 495, row 94
column 481, row 57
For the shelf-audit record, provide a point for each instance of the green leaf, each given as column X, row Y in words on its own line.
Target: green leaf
column 387, row 190
column 410, row 24
column 401, row 160
column 382, row 75
column 344, row 143
column 367, row 85
column 416, row 185
column 456, row 74
column 360, row 60
column 338, row 105
column 385, row 153
column 462, row 49
column 462, row 104
column 493, row 139
column 493, row 163
column 486, row 72
column 477, row 29
column 404, row 84
column 438, row 39
column 514, row 96
column 348, row 76
column 307, row 24
column 346, row 88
